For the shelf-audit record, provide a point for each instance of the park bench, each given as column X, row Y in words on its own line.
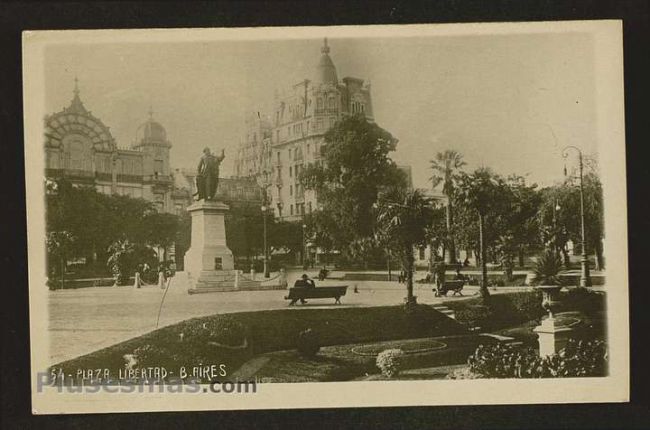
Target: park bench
column 334, row 292
column 453, row 285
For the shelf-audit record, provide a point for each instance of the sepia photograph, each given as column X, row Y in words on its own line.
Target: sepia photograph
column 326, row 216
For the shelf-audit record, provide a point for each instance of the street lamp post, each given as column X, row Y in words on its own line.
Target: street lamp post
column 266, row 248
column 304, row 245
column 585, row 280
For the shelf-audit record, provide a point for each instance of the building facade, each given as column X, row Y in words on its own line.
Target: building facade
column 79, row 147
column 278, row 146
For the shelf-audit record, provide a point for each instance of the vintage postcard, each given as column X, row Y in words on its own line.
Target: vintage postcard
column 260, row 218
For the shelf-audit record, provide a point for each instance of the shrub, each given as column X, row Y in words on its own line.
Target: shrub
column 503, row 310
column 584, row 300
column 578, row 358
column 390, row 362
column 307, row 343
column 224, row 330
column 474, row 315
column 547, row 269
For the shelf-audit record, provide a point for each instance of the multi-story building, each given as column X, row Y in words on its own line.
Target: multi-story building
column 80, row 148
column 277, row 147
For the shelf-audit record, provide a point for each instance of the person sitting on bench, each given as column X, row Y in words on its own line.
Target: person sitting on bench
column 304, row 282
column 459, row 276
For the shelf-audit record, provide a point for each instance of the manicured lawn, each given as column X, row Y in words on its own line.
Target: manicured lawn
column 233, row 339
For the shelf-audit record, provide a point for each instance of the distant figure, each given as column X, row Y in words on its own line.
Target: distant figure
column 459, row 276
column 440, row 274
column 466, row 262
column 402, row 276
column 322, row 274
column 304, row 282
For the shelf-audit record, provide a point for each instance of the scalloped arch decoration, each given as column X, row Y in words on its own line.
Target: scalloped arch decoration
column 59, row 125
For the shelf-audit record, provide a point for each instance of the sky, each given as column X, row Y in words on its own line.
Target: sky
column 508, row 102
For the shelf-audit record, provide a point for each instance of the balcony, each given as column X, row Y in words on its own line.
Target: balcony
column 326, row 111
column 158, row 179
column 70, row 173
column 129, row 178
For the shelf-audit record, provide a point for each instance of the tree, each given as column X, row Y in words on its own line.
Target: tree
column 96, row 220
column 486, row 194
column 445, row 168
column 559, row 216
column 125, row 256
column 58, row 244
column 160, row 229
column 522, row 220
column 356, row 168
column 285, row 235
column 244, row 230
column 403, row 221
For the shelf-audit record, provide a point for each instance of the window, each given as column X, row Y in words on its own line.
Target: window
column 332, row 103
column 291, row 209
column 159, row 201
column 290, row 171
column 319, row 103
column 291, row 190
column 278, row 157
column 422, row 257
column 302, row 209
column 158, row 167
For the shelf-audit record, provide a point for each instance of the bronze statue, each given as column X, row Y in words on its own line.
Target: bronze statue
column 207, row 175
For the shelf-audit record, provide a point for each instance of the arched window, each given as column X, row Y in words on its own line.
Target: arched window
column 77, row 153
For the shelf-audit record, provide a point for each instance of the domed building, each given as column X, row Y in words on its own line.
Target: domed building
column 79, row 147
column 276, row 147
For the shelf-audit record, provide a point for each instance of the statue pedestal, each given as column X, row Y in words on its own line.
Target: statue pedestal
column 209, row 262
column 552, row 338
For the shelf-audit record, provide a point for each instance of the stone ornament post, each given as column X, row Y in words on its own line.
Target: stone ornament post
column 552, row 337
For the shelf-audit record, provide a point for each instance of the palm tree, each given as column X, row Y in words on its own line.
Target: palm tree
column 403, row 222
column 485, row 193
column 445, row 168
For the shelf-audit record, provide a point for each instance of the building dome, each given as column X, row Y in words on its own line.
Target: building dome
column 326, row 71
column 151, row 131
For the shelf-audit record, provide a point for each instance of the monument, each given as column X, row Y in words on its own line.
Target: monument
column 209, row 262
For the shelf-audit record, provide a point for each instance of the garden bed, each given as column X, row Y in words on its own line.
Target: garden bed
column 342, row 363
column 201, row 340
column 514, row 309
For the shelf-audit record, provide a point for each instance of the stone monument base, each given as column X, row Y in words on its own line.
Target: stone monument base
column 209, row 263
column 552, row 338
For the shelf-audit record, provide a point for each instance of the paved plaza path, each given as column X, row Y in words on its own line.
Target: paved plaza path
column 87, row 319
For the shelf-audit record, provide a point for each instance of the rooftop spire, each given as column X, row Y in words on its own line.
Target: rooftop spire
column 76, row 105
column 325, row 72
column 325, row 49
